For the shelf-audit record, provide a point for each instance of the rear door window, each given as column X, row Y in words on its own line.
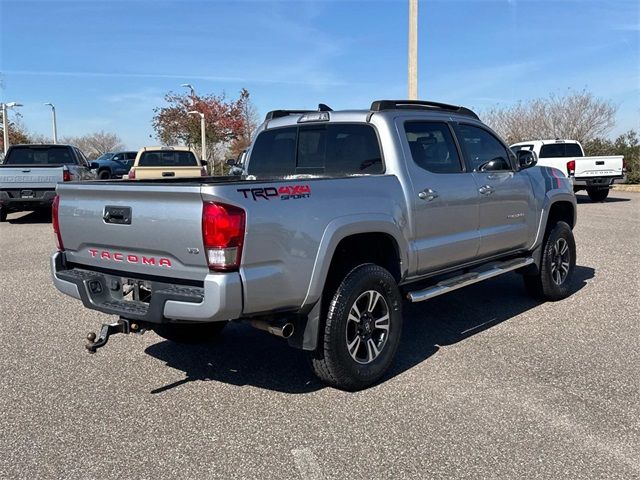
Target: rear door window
column 331, row 149
column 432, row 147
column 168, row 158
column 36, row 155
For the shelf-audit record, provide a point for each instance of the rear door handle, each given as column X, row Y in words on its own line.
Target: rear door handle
column 486, row 190
column 168, row 174
column 428, row 194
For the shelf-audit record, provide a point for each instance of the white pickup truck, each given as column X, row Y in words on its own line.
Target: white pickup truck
column 593, row 174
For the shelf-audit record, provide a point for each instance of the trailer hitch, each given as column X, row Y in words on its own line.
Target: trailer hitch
column 108, row 329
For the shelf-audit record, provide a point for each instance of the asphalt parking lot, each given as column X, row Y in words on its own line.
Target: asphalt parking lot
column 488, row 383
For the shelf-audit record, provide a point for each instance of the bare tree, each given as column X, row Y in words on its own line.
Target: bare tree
column 95, row 144
column 577, row 115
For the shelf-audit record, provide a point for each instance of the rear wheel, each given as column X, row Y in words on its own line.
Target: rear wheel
column 361, row 330
column 553, row 282
column 190, row 333
column 598, row 194
column 104, row 175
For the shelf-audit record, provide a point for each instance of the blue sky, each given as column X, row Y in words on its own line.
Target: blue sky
column 106, row 65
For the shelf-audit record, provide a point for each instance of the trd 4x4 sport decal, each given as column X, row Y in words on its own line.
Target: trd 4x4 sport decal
column 287, row 192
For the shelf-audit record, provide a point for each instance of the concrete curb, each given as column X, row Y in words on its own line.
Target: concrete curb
column 627, row 188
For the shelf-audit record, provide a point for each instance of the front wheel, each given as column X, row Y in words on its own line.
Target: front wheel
column 361, row 330
column 598, row 194
column 104, row 175
column 189, row 333
column 553, row 281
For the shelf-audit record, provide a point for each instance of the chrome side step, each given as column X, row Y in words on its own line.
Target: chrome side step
column 455, row 283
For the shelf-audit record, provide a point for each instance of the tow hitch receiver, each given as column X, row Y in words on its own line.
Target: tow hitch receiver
column 121, row 326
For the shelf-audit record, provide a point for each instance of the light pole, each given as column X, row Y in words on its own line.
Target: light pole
column 203, row 135
column 413, row 50
column 55, row 125
column 5, row 122
column 193, row 92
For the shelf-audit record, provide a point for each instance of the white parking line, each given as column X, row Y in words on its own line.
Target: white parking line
column 307, row 464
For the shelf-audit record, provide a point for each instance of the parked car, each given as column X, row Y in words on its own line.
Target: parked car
column 340, row 217
column 29, row 174
column 593, row 174
column 236, row 165
column 115, row 164
column 166, row 162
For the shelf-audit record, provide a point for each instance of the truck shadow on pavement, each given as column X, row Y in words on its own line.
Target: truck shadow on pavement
column 585, row 199
column 37, row 216
column 245, row 356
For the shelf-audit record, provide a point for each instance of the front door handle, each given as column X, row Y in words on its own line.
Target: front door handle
column 428, row 194
column 486, row 190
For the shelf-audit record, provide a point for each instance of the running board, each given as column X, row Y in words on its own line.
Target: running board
column 455, row 283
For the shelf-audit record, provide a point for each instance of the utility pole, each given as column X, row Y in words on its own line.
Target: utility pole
column 413, row 50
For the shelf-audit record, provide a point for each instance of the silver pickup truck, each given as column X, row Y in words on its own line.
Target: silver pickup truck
column 30, row 173
column 340, row 217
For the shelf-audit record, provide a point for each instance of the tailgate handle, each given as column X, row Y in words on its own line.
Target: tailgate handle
column 117, row 215
column 168, row 174
column 599, row 162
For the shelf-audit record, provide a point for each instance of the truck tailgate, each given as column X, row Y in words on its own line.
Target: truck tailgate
column 605, row 166
column 141, row 229
column 29, row 177
column 145, row 173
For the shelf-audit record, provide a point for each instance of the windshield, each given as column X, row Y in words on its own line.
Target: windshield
column 168, row 158
column 105, row 156
column 38, row 155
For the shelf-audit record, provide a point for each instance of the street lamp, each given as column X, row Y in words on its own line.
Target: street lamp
column 5, row 122
column 55, row 126
column 193, row 91
column 202, row 134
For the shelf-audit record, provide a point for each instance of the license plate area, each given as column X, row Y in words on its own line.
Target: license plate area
column 27, row 194
column 134, row 290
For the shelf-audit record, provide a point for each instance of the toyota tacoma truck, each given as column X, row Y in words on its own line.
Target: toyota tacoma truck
column 29, row 174
column 341, row 216
column 593, row 174
column 165, row 162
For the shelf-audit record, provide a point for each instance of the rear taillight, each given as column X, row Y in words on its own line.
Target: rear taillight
column 66, row 175
column 222, row 235
column 56, row 223
column 132, row 174
column 571, row 168
column 624, row 166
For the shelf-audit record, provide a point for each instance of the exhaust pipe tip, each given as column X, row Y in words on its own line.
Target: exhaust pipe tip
column 286, row 330
column 283, row 330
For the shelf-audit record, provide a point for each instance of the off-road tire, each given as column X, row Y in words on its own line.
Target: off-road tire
column 331, row 361
column 189, row 333
column 598, row 194
column 543, row 286
column 104, row 175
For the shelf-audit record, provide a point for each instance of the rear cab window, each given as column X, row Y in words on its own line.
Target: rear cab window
column 555, row 150
column 334, row 149
column 39, row 155
column 168, row 158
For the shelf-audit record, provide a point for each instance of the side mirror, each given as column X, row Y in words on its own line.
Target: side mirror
column 231, row 162
column 495, row 165
column 526, row 158
column 94, row 166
